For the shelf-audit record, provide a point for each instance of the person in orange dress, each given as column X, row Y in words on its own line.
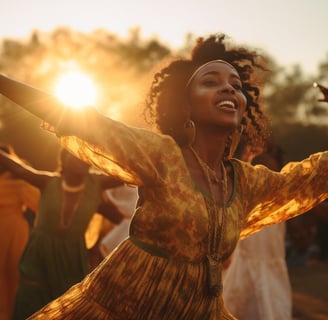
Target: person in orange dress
column 195, row 200
column 16, row 196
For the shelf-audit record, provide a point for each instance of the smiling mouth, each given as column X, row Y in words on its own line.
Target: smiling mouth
column 227, row 104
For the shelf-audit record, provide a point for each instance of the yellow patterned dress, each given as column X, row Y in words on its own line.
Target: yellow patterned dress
column 160, row 272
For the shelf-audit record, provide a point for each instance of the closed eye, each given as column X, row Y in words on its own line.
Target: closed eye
column 237, row 86
column 210, row 83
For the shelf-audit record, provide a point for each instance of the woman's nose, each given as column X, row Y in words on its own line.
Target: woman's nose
column 227, row 88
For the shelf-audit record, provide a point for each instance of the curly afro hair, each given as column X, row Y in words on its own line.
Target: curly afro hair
column 166, row 100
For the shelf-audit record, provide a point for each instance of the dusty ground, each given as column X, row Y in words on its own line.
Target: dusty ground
column 310, row 292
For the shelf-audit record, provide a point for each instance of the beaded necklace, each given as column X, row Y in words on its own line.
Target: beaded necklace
column 211, row 174
column 75, row 195
column 73, row 189
column 215, row 229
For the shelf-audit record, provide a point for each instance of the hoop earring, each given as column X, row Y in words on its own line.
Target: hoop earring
column 235, row 139
column 189, row 131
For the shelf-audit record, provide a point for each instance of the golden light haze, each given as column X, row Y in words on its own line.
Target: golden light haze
column 293, row 31
column 76, row 89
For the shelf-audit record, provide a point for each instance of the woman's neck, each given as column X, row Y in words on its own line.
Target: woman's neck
column 210, row 149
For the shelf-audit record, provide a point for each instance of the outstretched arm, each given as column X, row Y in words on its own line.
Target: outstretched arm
column 39, row 103
column 323, row 90
column 110, row 212
column 109, row 145
column 108, row 182
column 21, row 170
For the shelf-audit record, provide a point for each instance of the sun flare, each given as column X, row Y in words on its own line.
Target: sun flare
column 76, row 89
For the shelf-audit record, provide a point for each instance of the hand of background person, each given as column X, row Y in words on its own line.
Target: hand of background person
column 324, row 91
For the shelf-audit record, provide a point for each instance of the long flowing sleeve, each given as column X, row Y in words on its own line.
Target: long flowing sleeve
column 271, row 197
column 135, row 155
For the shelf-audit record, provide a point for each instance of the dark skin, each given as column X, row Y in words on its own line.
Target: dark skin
column 36, row 101
column 215, row 83
column 5, row 149
column 217, row 107
column 73, row 172
column 209, row 143
column 324, row 91
column 47, row 107
column 44, row 106
column 110, row 211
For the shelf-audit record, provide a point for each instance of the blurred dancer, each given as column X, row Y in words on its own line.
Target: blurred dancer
column 15, row 197
column 55, row 256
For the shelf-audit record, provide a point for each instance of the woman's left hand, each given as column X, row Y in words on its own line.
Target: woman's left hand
column 324, row 91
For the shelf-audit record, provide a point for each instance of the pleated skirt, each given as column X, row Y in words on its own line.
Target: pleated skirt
column 132, row 284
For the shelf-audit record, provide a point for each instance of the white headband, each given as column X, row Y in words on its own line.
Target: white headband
column 204, row 65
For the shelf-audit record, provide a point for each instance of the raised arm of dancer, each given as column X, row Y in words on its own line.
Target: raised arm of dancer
column 110, row 211
column 23, row 171
column 39, row 103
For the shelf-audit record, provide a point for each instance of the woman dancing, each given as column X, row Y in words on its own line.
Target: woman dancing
column 195, row 201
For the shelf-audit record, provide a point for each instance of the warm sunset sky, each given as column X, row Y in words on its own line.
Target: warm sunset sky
column 292, row 31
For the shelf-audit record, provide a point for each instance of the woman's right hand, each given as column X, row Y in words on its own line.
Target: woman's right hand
column 37, row 102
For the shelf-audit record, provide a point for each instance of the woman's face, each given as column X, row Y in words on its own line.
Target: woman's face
column 216, row 97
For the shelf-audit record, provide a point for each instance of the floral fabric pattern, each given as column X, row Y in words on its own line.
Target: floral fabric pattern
column 134, row 284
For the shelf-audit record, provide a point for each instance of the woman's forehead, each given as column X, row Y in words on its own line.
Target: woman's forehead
column 213, row 66
column 216, row 67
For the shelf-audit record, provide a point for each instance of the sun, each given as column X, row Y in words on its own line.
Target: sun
column 76, row 89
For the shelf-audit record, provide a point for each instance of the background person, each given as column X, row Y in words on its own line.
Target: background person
column 256, row 282
column 16, row 196
column 55, row 256
column 124, row 198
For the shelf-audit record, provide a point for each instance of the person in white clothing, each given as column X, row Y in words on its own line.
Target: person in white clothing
column 125, row 199
column 256, row 283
